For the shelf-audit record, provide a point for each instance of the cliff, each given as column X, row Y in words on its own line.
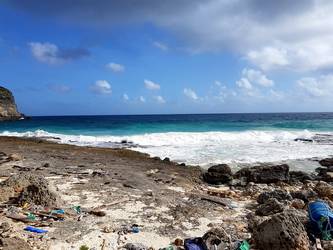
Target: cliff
column 8, row 109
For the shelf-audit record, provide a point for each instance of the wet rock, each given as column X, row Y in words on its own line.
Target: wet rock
column 326, row 162
column 278, row 194
column 304, row 195
column 271, row 206
column 284, row 231
column 324, row 190
column 218, row 174
column 136, row 246
column 301, row 176
column 14, row 244
column 325, row 174
column 264, row 173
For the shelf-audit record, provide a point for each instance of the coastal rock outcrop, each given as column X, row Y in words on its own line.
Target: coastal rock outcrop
column 218, row 174
column 284, row 231
column 8, row 109
column 264, row 174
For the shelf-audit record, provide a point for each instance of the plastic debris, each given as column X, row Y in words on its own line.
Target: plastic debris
column 244, row 245
column 35, row 230
column 195, row 244
column 77, row 209
column 321, row 217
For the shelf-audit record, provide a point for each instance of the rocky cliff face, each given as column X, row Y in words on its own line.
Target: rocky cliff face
column 8, row 109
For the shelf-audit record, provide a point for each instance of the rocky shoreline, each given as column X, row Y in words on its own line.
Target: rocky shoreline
column 98, row 198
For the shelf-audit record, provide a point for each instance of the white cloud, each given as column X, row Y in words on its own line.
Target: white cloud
column 52, row 54
column 317, row 87
column 161, row 46
column 125, row 97
column 151, row 85
column 142, row 99
column 115, row 67
column 244, row 84
column 159, row 99
column 101, row 87
column 217, row 83
column 256, row 76
column 269, row 58
column 190, row 94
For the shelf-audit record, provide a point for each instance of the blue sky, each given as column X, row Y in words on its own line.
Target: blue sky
column 141, row 57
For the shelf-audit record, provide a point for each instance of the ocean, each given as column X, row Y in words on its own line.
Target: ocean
column 197, row 139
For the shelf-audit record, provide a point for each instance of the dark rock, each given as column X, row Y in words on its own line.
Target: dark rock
column 280, row 195
column 284, row 231
column 166, row 159
column 264, row 174
column 328, row 162
column 304, row 195
column 300, row 176
column 218, row 174
column 325, row 174
column 8, row 109
column 136, row 246
column 46, row 165
column 271, row 206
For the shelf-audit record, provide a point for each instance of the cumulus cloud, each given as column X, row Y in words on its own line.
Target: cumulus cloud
column 190, row 94
column 317, row 87
column 142, row 99
column 257, row 77
column 52, row 54
column 125, row 97
column 159, row 99
column 59, row 88
column 270, row 34
column 244, row 83
column 151, row 85
column 101, row 87
column 115, row 67
column 161, row 46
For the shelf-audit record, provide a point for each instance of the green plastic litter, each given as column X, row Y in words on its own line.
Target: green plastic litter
column 244, row 246
column 31, row 216
column 77, row 209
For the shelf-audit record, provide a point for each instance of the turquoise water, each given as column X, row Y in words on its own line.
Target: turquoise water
column 193, row 139
column 131, row 125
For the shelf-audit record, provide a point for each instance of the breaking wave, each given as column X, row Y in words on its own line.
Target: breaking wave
column 206, row 148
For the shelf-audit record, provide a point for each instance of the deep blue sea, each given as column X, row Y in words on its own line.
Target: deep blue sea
column 202, row 139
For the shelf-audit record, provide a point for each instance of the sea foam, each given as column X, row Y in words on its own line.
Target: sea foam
column 207, row 148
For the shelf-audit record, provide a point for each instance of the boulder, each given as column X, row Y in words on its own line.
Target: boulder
column 301, row 176
column 298, row 204
column 8, row 109
column 325, row 174
column 264, row 173
column 278, row 194
column 326, row 162
column 218, row 174
column 304, row 195
column 283, row 231
column 14, row 243
column 324, row 190
column 136, row 246
column 271, row 206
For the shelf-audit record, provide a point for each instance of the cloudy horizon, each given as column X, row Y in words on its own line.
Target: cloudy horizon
column 141, row 57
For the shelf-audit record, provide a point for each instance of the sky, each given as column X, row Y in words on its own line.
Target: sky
column 104, row 57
